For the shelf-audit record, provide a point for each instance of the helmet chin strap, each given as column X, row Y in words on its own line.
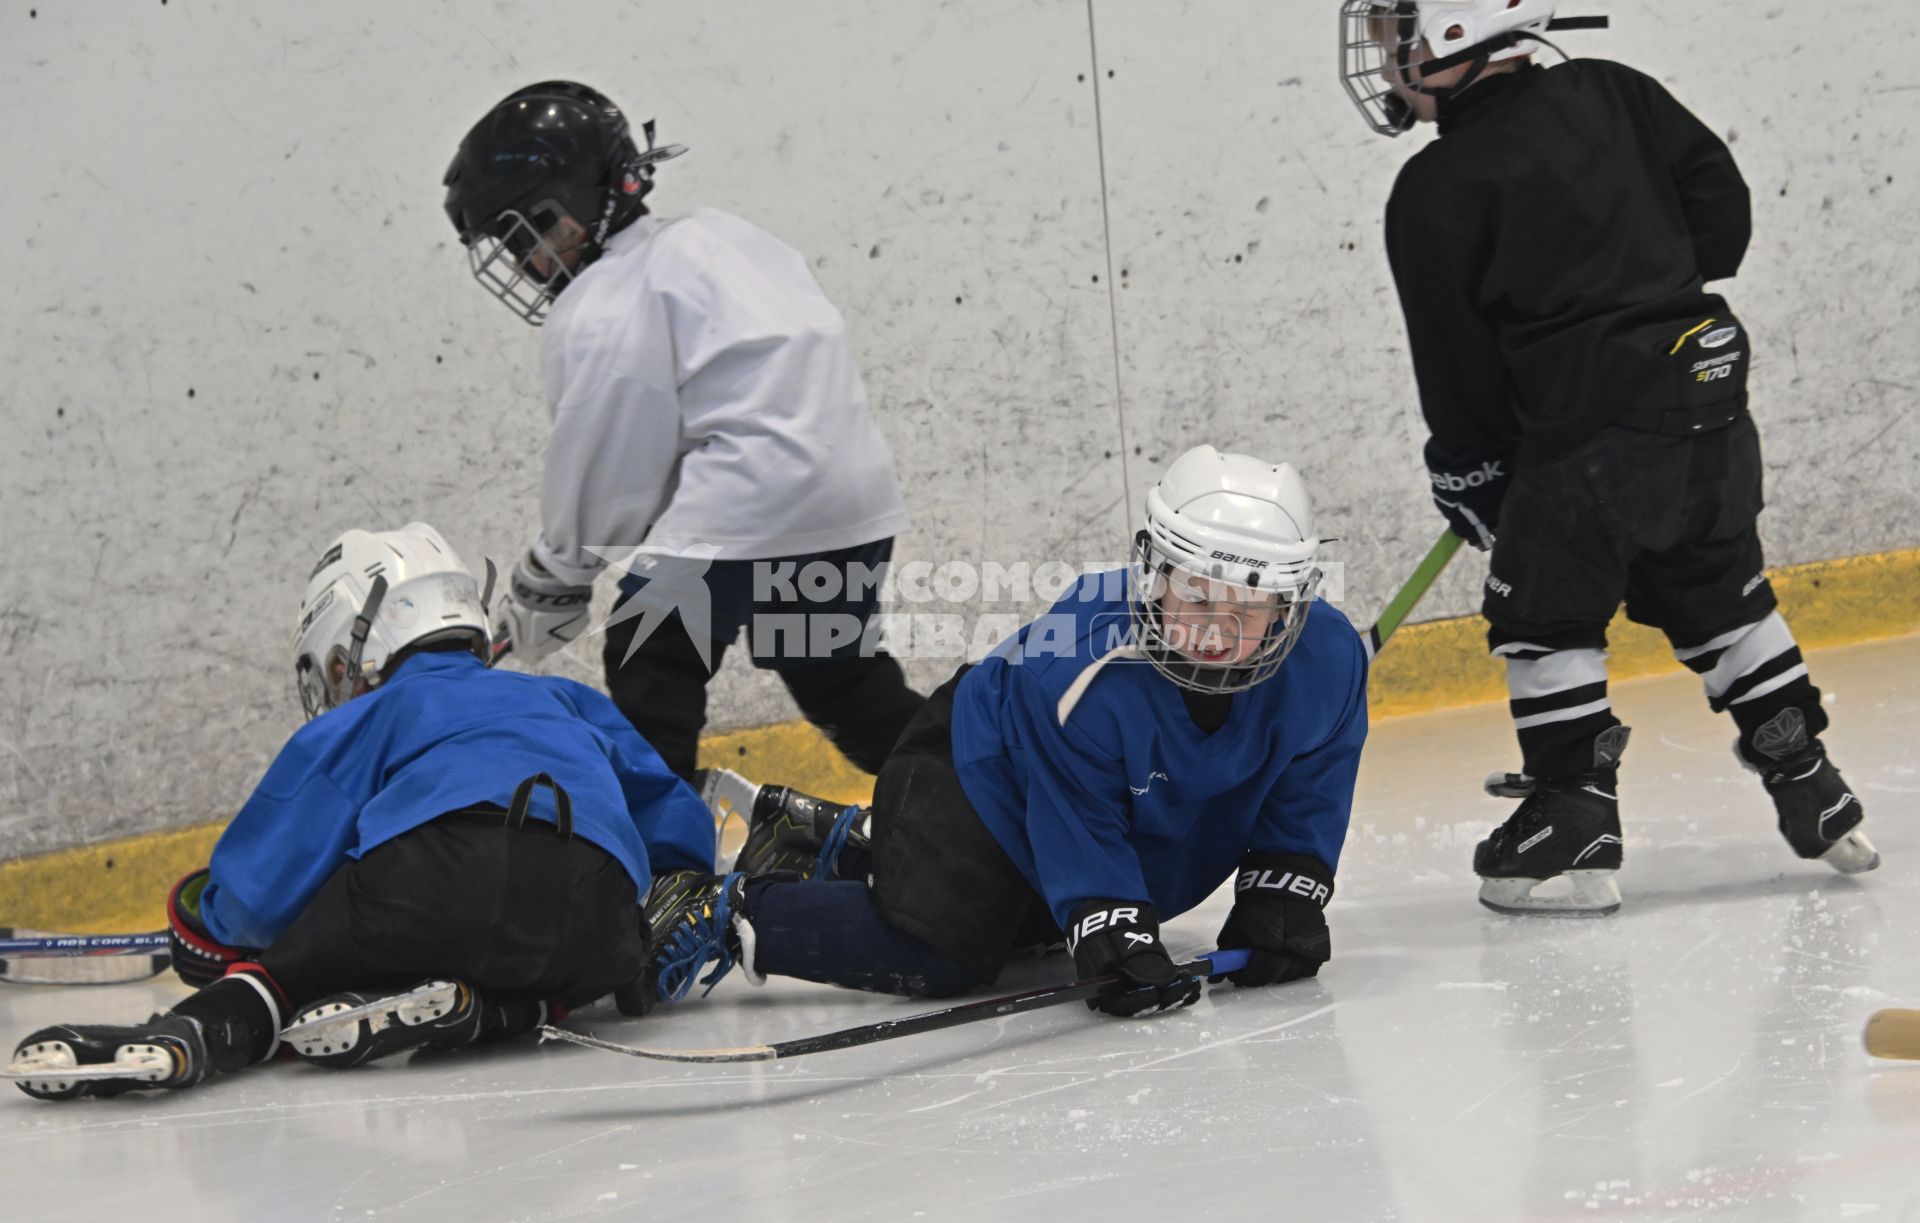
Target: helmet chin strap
column 1399, row 112
column 362, row 625
column 1446, row 93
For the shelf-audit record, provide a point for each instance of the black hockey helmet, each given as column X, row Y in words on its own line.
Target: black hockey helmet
column 551, row 147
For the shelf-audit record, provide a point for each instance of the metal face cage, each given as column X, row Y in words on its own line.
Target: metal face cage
column 1152, row 576
column 502, row 261
column 1378, row 42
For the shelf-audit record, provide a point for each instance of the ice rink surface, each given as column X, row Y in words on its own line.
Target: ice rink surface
column 1697, row 1055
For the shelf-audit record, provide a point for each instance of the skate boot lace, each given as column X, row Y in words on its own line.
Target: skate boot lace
column 1788, row 772
column 698, row 938
column 1536, row 810
column 1523, row 823
column 829, row 859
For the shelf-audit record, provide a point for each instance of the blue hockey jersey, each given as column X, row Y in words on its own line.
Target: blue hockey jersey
column 441, row 734
column 1128, row 799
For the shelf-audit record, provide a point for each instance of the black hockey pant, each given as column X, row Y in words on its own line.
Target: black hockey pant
column 811, row 635
column 518, row 912
column 1667, row 524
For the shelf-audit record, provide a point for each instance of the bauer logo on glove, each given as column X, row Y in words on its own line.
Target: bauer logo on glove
column 1276, row 916
column 1118, row 938
column 1102, row 919
column 1256, row 879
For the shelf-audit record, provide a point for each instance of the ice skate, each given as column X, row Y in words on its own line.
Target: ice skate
column 695, row 921
column 1558, row 853
column 1819, row 816
column 351, row 1028
column 68, row 1061
column 787, row 831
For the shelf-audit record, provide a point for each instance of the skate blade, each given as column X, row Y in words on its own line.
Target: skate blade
column 419, row 1005
column 50, row 1065
column 1852, row 854
column 1573, row 894
column 727, row 794
column 49, row 1076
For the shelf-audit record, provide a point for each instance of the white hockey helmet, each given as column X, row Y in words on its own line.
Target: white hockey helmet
column 374, row 594
column 1381, row 40
column 1231, row 518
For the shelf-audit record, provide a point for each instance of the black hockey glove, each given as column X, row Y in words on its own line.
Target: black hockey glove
column 199, row 959
column 1276, row 916
column 1468, row 486
column 1122, row 937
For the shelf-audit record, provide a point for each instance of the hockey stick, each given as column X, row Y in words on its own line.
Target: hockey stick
column 1213, row 965
column 1497, row 785
column 1893, row 1033
column 36, row 957
column 1402, row 603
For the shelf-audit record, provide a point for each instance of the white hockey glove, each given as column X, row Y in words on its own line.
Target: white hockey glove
column 538, row 613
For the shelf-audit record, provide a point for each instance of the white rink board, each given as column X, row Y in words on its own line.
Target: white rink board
column 243, row 201
column 244, row 204
column 1696, row 1056
column 1247, row 197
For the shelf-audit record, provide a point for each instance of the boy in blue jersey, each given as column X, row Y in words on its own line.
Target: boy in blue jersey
column 1162, row 728
column 487, row 831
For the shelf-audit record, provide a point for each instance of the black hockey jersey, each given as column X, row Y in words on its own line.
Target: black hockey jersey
column 1550, row 249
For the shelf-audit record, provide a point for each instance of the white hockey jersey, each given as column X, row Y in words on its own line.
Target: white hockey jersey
column 703, row 392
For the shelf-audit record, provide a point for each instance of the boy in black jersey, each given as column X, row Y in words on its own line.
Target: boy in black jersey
column 1587, row 402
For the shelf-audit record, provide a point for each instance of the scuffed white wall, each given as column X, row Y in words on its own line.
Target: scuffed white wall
column 237, row 321
column 1257, row 309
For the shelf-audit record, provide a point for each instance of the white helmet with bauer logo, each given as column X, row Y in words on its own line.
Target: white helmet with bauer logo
column 374, row 594
column 1228, row 518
